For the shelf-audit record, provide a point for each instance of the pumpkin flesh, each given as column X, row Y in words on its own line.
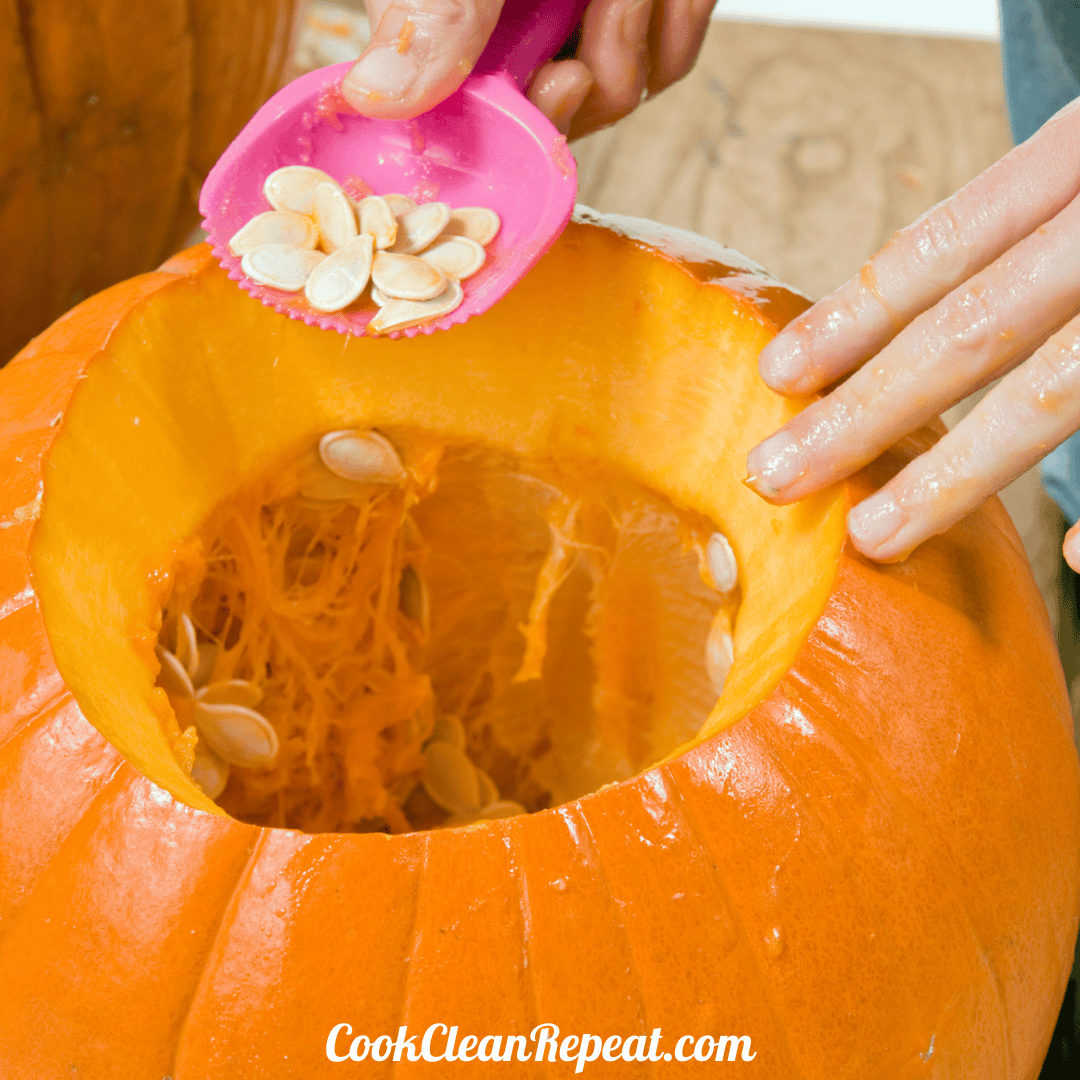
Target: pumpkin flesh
column 873, row 872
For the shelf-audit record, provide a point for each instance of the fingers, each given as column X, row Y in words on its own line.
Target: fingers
column 927, row 260
column 420, row 52
column 1071, row 548
column 559, row 89
column 614, row 47
column 978, row 331
column 676, row 33
column 1032, row 410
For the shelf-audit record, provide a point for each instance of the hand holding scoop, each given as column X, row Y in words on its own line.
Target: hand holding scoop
column 486, row 145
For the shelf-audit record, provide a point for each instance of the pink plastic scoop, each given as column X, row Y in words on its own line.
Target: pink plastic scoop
column 485, row 145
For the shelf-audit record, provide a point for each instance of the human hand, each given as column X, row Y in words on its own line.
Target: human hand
column 984, row 284
column 421, row 51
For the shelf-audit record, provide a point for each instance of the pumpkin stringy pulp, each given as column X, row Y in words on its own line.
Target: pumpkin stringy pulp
column 553, row 618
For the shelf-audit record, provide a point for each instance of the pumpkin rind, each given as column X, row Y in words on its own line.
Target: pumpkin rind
column 112, row 115
column 874, row 873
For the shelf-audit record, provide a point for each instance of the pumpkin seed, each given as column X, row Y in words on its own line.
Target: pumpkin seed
column 173, row 677
column 478, row 223
column 275, row 227
column 239, row 735
column 489, row 793
column 232, row 692
column 399, row 204
column 377, row 296
column 335, row 217
column 721, row 561
column 448, row 728
column 451, row 781
column 456, row 256
column 364, row 457
column 210, row 772
column 187, row 645
column 293, row 187
column 281, row 266
column 418, row 228
column 377, row 218
column 401, row 314
column 719, row 651
column 412, row 596
column 208, row 658
column 405, row 277
column 340, row 278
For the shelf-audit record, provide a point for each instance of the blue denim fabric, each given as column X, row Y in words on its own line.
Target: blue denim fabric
column 1040, row 45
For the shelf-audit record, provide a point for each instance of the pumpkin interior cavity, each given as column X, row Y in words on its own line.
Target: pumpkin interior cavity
column 554, row 614
column 200, row 391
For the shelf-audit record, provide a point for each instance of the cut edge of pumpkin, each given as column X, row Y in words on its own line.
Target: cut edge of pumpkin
column 181, row 405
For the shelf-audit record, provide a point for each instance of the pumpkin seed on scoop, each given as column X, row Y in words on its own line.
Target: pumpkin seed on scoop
column 334, row 216
column 456, row 256
column 399, row 204
column 721, row 562
column 281, row 266
column 275, row 227
column 451, row 781
column 405, row 277
column 418, row 228
column 239, row 735
column 401, row 314
column 478, row 223
column 293, row 187
column 376, row 217
column 363, row 457
column 341, row 277
column 209, row 771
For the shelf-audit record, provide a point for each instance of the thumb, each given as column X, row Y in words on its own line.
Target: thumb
column 420, row 52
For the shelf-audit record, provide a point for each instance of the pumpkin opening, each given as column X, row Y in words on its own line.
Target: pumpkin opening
column 549, row 619
column 200, row 398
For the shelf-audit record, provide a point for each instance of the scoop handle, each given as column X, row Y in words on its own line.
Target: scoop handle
column 527, row 35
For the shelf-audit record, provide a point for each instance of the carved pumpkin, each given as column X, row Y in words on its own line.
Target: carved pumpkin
column 112, row 114
column 867, row 861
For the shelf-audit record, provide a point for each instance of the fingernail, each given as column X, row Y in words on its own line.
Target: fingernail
column 774, row 464
column 875, row 521
column 384, row 72
column 782, row 363
column 1071, row 549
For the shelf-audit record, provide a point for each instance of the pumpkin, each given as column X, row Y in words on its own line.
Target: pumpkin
column 111, row 116
column 866, row 861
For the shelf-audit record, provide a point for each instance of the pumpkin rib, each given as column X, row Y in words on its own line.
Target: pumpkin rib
column 682, row 808
column 634, row 976
column 243, row 874
column 896, row 807
column 879, row 772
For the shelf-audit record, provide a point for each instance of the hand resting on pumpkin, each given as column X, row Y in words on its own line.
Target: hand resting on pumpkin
column 986, row 284
column 421, row 50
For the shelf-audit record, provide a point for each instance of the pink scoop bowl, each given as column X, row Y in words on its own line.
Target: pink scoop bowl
column 485, row 145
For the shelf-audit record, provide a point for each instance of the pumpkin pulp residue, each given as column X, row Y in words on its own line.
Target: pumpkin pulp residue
column 556, row 613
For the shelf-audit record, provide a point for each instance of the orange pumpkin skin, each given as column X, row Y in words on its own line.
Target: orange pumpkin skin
column 873, row 874
column 112, row 115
